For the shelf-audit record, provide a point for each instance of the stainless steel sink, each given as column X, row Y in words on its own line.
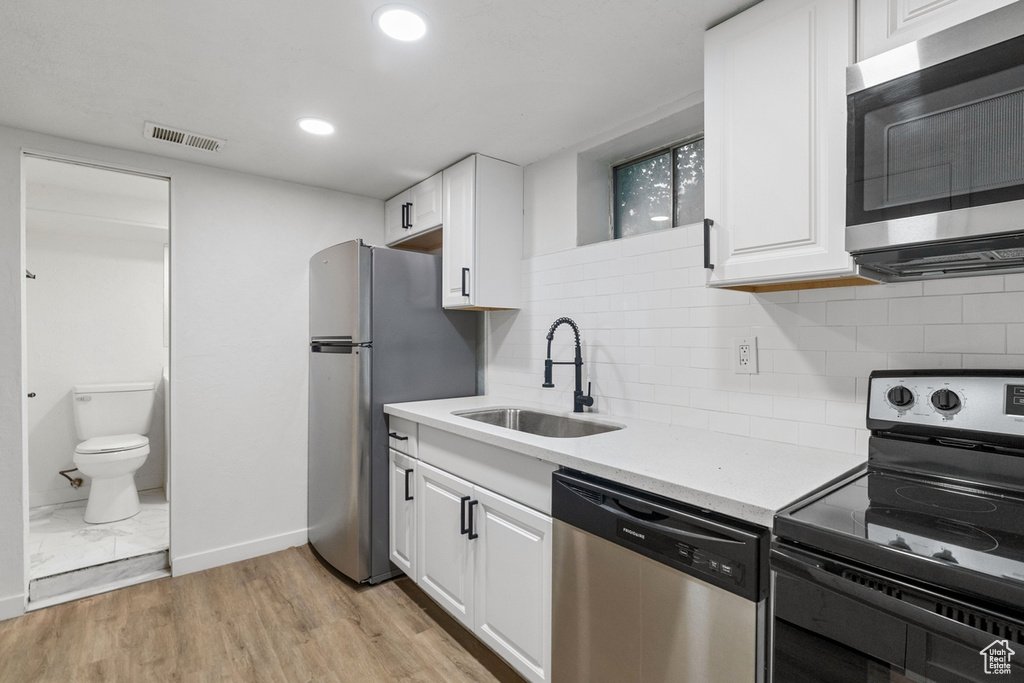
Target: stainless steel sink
column 536, row 422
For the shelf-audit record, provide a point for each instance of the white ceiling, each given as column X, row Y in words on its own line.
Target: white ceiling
column 514, row 79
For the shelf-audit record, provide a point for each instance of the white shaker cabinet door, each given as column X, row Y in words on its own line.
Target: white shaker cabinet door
column 426, row 201
column 513, row 583
column 444, row 554
column 775, row 142
column 459, row 250
column 886, row 24
column 402, row 521
column 396, row 218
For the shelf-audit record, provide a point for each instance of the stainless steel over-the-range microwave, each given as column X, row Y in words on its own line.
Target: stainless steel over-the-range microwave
column 935, row 153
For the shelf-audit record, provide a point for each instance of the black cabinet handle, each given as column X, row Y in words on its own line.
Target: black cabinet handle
column 465, row 287
column 462, row 515
column 472, row 535
column 407, row 215
column 407, row 473
column 32, row 395
column 707, row 244
column 396, row 437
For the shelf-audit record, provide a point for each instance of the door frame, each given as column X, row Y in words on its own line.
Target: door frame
column 38, row 153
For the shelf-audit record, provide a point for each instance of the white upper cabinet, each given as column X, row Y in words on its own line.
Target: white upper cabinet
column 396, row 218
column 414, row 212
column 775, row 144
column 483, row 234
column 885, row 24
column 426, row 212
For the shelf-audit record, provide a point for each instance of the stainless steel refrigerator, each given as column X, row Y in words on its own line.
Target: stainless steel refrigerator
column 378, row 334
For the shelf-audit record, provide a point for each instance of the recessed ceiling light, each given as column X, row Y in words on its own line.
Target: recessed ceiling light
column 316, row 126
column 401, row 22
column 659, row 218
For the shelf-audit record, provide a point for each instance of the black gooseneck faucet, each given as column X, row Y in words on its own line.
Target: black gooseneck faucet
column 578, row 399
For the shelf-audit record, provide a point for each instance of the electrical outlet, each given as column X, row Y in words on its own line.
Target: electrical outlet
column 744, row 355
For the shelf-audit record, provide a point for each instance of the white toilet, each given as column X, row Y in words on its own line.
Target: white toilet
column 112, row 421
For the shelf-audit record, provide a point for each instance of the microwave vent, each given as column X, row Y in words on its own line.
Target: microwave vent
column 182, row 138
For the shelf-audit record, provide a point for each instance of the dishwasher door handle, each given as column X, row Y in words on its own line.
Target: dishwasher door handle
column 662, row 522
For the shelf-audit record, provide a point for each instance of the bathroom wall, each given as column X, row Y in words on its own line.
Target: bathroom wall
column 658, row 342
column 240, row 246
column 95, row 315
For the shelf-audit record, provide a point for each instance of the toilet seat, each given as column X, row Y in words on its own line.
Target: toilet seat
column 110, row 444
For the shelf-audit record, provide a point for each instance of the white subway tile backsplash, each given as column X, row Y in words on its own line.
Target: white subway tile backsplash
column 857, row 312
column 890, row 338
column 965, row 339
column 965, row 285
column 798, row 409
column 854, row 363
column 889, row 290
column 729, row 423
column 992, row 308
column 775, row 430
column 775, row 384
column 800, row 362
column 925, row 310
column 828, row 437
column 924, row 361
column 658, row 343
column 828, row 338
column 842, row 414
column 1015, row 338
column 695, row 418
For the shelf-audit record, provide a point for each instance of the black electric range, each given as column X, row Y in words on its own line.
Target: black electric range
column 914, row 567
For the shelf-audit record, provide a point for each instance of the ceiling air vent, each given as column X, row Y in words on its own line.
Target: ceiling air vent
column 176, row 136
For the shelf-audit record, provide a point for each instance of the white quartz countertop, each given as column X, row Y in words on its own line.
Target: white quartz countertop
column 749, row 479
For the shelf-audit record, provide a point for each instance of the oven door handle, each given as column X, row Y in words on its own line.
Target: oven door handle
column 811, row 569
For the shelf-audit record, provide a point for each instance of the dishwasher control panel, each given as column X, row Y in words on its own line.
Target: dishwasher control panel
column 726, row 553
column 690, row 555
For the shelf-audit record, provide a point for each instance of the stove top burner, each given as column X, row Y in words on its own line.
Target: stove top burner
column 944, row 500
column 920, row 522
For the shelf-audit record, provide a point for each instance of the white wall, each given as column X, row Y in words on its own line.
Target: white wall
column 240, row 246
column 657, row 342
column 95, row 315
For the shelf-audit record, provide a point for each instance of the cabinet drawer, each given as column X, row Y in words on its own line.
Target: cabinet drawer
column 402, row 435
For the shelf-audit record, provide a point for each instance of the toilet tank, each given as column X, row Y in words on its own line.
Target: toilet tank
column 111, row 409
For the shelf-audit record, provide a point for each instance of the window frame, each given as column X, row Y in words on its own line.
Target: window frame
column 669, row 148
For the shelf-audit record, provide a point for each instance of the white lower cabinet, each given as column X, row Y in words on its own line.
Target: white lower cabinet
column 445, row 554
column 403, row 511
column 512, row 583
column 487, row 560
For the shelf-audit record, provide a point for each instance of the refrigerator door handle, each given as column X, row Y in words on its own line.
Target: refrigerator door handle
column 322, row 346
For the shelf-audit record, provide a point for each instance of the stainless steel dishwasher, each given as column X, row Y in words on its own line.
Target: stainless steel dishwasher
column 650, row 590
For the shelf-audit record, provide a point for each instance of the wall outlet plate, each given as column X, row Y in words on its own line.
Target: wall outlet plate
column 744, row 355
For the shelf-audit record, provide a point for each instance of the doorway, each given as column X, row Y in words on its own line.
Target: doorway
column 97, row 326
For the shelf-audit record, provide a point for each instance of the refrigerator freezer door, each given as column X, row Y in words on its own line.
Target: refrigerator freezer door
column 339, row 292
column 339, row 457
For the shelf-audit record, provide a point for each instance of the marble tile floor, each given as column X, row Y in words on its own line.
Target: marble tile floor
column 60, row 540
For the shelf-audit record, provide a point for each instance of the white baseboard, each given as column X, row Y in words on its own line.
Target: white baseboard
column 12, row 606
column 186, row 564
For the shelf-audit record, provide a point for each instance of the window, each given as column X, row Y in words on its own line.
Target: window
column 660, row 190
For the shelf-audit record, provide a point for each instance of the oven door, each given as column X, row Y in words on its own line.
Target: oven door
column 836, row 622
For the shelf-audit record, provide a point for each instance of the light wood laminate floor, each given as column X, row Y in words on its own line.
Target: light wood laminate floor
column 280, row 617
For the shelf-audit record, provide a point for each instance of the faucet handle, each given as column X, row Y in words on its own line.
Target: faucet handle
column 587, row 400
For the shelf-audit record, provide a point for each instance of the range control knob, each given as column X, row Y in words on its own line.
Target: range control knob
column 946, row 400
column 900, row 396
